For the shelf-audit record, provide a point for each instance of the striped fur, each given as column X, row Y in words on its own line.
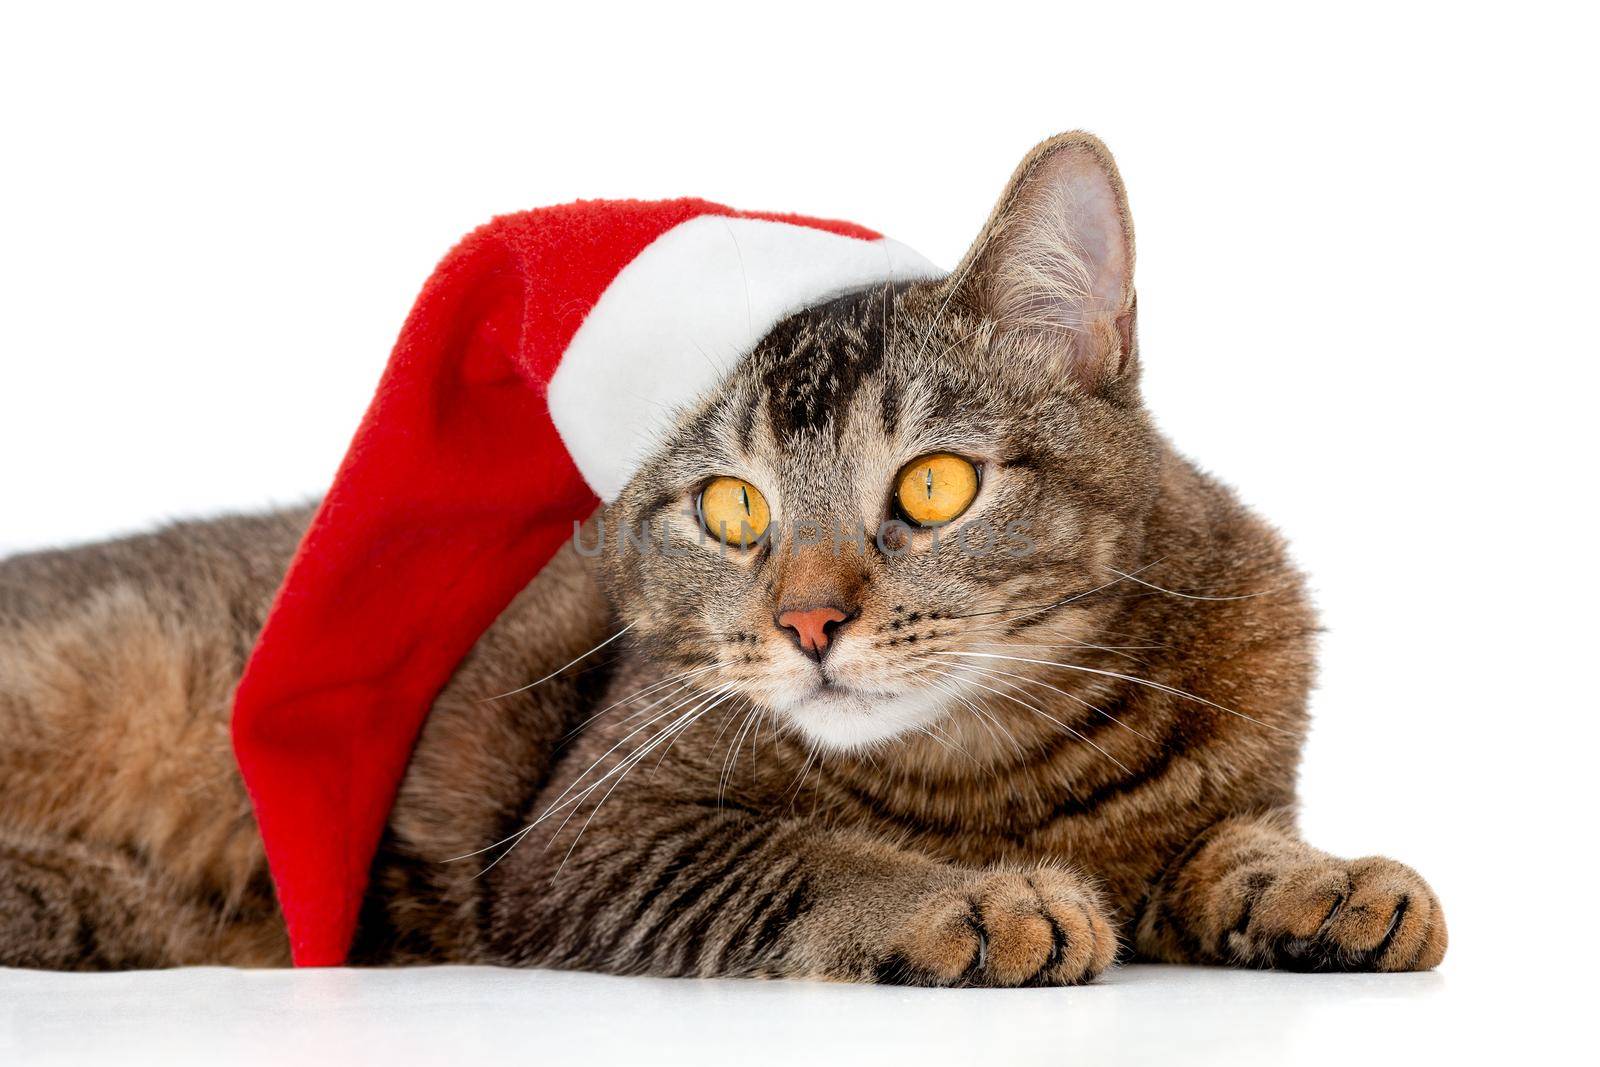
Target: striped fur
column 1094, row 753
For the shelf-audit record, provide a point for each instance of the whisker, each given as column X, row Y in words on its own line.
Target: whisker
column 1085, row 738
column 1026, row 612
column 1069, row 696
column 800, row 779
column 662, row 758
column 679, row 678
column 988, row 720
column 1194, row 596
column 558, row 670
column 518, row 835
column 752, row 714
column 561, row 800
column 622, row 769
column 556, row 804
column 1061, row 644
column 941, row 737
column 676, row 730
column 633, row 760
column 1161, row 686
column 1115, row 650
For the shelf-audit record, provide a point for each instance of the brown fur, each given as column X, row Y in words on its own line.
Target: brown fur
column 1123, row 783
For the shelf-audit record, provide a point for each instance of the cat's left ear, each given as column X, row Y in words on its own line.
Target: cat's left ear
column 1053, row 268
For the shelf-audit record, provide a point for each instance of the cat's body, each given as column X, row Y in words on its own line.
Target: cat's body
column 1013, row 762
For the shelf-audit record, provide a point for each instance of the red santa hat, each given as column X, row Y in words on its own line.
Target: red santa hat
column 500, row 419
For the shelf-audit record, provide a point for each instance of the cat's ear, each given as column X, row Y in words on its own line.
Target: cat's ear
column 1053, row 268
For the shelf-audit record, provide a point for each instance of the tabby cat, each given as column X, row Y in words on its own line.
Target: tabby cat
column 894, row 757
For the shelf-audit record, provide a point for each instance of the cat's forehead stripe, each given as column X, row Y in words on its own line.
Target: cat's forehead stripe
column 812, row 367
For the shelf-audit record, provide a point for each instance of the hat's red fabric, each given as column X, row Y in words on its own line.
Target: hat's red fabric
column 454, row 493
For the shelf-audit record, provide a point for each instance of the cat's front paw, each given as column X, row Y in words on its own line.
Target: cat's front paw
column 1369, row 914
column 1003, row 928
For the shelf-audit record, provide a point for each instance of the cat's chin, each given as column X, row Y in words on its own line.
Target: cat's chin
column 847, row 720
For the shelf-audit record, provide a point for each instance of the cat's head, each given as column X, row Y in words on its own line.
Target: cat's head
column 924, row 471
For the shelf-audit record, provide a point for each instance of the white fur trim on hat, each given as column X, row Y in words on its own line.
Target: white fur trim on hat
column 677, row 319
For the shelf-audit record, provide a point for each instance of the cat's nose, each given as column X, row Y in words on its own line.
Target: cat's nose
column 813, row 628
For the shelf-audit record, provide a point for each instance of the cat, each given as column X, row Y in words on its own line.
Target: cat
column 901, row 753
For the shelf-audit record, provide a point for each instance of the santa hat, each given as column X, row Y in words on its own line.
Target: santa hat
column 536, row 362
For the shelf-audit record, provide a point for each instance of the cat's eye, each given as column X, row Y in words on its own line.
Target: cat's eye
column 733, row 511
column 936, row 488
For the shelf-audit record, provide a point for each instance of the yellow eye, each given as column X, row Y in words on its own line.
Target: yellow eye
column 935, row 488
column 733, row 511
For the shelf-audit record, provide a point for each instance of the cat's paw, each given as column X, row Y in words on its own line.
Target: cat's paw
column 1369, row 914
column 1003, row 928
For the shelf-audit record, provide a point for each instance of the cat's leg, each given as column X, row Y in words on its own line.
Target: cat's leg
column 67, row 906
column 698, row 891
column 1248, row 892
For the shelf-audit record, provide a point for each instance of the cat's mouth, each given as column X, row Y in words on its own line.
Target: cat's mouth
column 845, row 716
column 830, row 688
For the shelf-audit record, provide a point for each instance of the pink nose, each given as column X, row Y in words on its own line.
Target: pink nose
column 812, row 628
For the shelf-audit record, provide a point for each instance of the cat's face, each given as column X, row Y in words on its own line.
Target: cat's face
column 879, row 562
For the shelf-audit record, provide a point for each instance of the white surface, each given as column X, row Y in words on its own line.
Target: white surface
column 1366, row 247
column 1141, row 1014
column 681, row 315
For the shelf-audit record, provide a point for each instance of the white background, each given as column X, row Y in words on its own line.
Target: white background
column 1366, row 275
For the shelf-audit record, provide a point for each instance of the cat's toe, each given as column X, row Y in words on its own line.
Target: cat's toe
column 1003, row 929
column 1370, row 914
column 1392, row 920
